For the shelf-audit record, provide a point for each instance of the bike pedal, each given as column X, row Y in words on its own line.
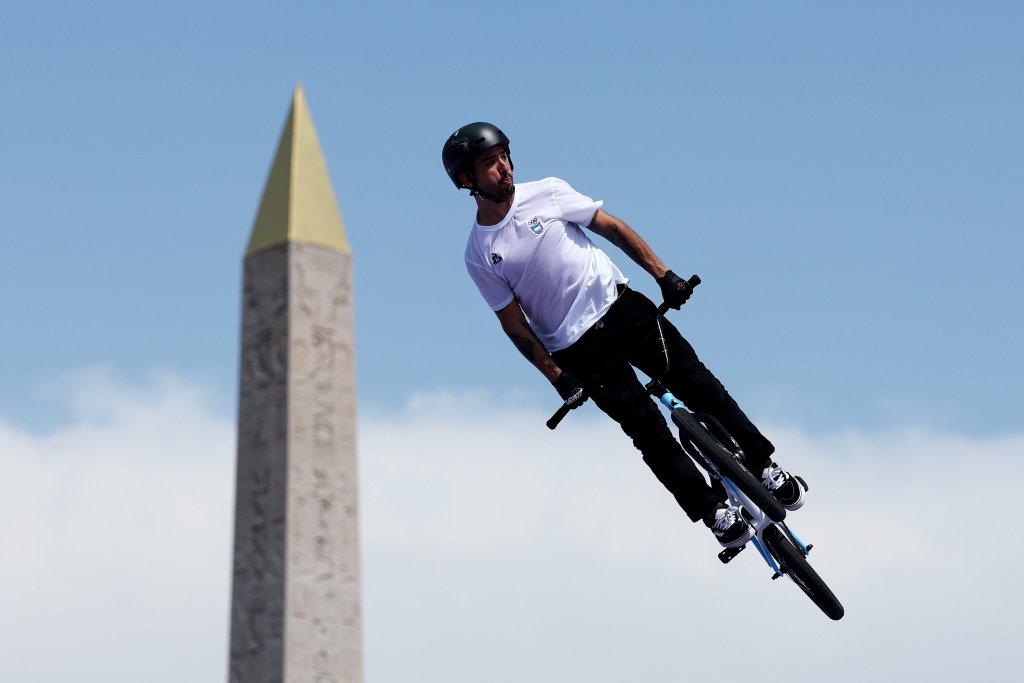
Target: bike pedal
column 726, row 555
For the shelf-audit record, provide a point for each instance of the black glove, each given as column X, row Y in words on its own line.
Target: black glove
column 675, row 289
column 570, row 388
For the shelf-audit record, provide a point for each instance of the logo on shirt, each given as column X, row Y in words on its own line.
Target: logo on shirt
column 535, row 225
column 495, row 259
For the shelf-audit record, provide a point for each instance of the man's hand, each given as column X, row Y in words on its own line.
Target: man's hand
column 570, row 388
column 675, row 289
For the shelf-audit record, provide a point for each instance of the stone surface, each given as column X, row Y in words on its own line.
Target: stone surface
column 296, row 598
column 323, row 624
column 258, row 588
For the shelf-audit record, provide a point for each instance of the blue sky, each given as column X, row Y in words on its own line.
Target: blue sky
column 846, row 178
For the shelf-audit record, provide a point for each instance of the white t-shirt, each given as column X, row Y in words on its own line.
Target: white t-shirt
column 539, row 255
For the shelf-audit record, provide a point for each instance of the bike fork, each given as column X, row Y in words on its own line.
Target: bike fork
column 767, row 557
column 760, row 522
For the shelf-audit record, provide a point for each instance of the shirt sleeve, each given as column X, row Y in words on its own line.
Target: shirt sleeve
column 493, row 288
column 575, row 207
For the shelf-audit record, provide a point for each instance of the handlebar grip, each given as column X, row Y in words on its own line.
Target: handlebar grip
column 693, row 282
column 558, row 416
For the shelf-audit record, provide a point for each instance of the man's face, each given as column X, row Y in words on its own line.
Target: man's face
column 493, row 172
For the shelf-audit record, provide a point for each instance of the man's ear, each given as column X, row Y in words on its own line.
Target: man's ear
column 464, row 181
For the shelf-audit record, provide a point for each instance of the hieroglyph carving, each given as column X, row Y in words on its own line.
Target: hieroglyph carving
column 257, row 618
column 296, row 613
column 324, row 626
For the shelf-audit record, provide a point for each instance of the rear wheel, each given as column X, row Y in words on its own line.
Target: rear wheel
column 794, row 565
column 728, row 465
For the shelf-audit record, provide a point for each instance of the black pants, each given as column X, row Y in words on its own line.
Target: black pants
column 603, row 358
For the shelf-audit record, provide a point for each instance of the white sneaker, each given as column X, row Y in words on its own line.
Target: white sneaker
column 730, row 528
column 787, row 489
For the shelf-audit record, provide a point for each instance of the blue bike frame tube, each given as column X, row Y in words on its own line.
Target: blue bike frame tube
column 764, row 553
column 803, row 546
column 670, row 401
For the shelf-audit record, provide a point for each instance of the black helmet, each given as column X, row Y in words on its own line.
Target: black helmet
column 466, row 144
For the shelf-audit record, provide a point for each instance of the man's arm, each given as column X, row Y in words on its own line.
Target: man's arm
column 674, row 289
column 625, row 238
column 518, row 329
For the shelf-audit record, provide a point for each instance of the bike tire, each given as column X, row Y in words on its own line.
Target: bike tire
column 727, row 465
column 794, row 565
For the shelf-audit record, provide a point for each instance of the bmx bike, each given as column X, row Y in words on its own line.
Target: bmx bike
column 708, row 443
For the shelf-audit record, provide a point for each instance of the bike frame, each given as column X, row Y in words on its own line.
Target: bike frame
column 753, row 514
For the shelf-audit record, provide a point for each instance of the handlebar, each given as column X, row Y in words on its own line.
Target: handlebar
column 559, row 415
column 564, row 409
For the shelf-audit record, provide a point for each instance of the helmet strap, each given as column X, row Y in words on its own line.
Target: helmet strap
column 475, row 191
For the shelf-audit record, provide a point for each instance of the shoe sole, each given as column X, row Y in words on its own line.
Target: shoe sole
column 799, row 502
column 742, row 540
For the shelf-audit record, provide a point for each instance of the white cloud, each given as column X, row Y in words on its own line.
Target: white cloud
column 495, row 550
column 114, row 536
column 560, row 556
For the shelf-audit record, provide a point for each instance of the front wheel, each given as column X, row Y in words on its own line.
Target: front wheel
column 728, row 465
column 794, row 565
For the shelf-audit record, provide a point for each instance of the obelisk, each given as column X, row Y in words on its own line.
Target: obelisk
column 295, row 603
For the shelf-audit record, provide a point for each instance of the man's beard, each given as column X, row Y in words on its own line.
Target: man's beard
column 499, row 193
column 503, row 192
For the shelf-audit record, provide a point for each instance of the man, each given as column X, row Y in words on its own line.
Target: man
column 567, row 308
